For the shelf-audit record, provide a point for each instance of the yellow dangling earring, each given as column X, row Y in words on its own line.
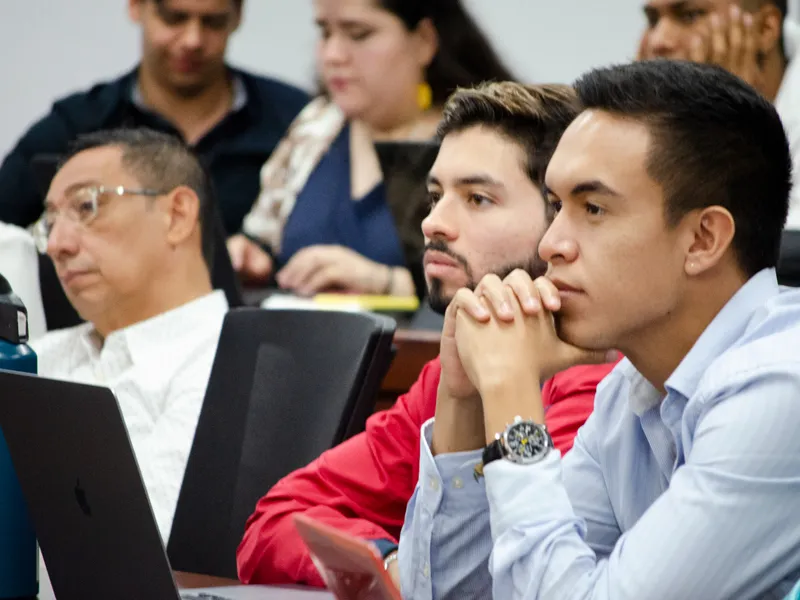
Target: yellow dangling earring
column 424, row 96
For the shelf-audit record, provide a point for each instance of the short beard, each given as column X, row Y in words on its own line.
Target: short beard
column 534, row 266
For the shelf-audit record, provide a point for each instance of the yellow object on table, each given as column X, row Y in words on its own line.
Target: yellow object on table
column 369, row 302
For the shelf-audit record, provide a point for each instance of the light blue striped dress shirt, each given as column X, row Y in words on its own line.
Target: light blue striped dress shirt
column 695, row 494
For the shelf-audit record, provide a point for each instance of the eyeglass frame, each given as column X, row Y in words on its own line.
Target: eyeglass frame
column 41, row 230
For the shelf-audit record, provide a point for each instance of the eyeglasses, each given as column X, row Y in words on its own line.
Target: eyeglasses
column 81, row 206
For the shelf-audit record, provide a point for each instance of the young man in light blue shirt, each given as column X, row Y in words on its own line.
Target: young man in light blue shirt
column 669, row 194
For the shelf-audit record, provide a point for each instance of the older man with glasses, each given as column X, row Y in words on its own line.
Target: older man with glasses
column 124, row 224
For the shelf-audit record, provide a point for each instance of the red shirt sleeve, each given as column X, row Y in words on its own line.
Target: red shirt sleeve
column 361, row 487
column 568, row 399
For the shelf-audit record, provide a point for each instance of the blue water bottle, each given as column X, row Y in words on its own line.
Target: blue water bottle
column 19, row 555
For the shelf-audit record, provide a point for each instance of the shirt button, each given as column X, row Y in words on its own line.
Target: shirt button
column 458, row 483
column 426, row 571
column 434, row 484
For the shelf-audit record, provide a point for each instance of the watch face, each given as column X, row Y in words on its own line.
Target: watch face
column 527, row 441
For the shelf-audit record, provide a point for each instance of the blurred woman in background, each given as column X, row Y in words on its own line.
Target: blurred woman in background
column 322, row 221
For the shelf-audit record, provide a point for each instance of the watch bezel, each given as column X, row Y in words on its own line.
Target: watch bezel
column 512, row 456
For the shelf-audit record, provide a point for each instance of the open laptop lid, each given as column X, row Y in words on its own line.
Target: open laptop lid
column 85, row 494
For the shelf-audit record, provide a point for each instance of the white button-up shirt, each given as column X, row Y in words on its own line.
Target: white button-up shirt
column 159, row 370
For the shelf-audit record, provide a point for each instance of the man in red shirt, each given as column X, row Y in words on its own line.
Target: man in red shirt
column 487, row 216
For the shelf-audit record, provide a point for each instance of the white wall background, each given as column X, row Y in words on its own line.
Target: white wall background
column 49, row 48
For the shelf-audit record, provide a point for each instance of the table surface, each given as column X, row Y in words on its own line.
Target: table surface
column 184, row 580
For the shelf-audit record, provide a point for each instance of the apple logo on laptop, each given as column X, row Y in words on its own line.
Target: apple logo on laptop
column 80, row 496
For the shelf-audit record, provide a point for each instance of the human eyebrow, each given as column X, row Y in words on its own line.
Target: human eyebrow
column 593, row 187
column 484, row 180
column 48, row 203
column 432, row 180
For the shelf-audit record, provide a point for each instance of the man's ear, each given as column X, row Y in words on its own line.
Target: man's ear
column 237, row 17
column 183, row 215
column 135, row 10
column 769, row 27
column 710, row 232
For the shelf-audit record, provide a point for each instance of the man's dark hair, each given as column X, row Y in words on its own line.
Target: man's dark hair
column 753, row 6
column 714, row 141
column 161, row 162
column 533, row 116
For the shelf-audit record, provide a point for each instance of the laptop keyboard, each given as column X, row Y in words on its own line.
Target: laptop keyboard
column 201, row 596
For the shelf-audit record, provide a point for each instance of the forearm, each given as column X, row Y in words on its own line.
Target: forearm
column 459, row 424
column 503, row 400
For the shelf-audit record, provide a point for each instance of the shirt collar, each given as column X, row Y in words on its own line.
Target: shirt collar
column 642, row 395
column 240, row 95
column 721, row 334
column 165, row 334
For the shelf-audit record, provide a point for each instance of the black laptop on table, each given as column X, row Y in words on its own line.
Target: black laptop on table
column 86, row 498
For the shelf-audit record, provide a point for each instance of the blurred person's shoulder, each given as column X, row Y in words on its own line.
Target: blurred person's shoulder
column 92, row 108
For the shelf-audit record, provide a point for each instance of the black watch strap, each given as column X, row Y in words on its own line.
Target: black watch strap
column 385, row 546
column 491, row 452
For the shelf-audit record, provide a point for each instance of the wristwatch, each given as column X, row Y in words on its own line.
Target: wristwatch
column 388, row 551
column 387, row 562
column 523, row 442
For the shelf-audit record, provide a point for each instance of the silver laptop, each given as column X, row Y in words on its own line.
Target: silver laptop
column 86, row 498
